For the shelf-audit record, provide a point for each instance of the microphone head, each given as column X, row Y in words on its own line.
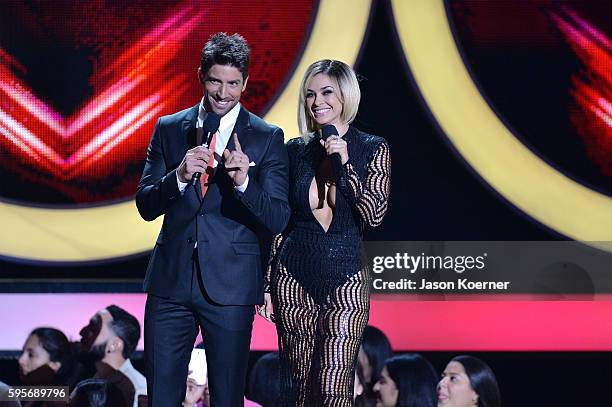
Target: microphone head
column 328, row 130
column 211, row 122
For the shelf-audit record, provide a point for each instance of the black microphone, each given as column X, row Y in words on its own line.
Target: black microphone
column 326, row 131
column 209, row 128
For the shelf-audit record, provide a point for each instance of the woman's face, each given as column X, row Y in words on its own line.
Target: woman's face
column 34, row 356
column 455, row 390
column 366, row 367
column 323, row 100
column 357, row 386
column 386, row 390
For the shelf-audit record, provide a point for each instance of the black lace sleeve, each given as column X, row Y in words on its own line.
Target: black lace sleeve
column 277, row 241
column 370, row 196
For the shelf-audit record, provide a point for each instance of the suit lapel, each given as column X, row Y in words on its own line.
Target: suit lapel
column 188, row 135
column 242, row 129
column 189, row 128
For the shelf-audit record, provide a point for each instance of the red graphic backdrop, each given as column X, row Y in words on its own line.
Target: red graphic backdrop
column 592, row 86
column 546, row 66
column 81, row 84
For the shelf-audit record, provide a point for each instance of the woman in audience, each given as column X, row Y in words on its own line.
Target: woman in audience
column 374, row 350
column 468, row 382
column 406, row 381
column 46, row 359
column 359, row 389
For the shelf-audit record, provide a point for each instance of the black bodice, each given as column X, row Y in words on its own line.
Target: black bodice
column 319, row 260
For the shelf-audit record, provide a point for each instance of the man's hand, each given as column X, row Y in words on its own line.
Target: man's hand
column 266, row 311
column 195, row 160
column 236, row 163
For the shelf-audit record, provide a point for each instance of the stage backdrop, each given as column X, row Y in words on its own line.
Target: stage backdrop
column 498, row 116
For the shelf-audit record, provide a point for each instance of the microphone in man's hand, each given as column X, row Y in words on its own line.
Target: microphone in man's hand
column 326, row 131
column 209, row 127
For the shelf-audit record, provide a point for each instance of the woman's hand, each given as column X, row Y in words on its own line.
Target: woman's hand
column 266, row 311
column 335, row 144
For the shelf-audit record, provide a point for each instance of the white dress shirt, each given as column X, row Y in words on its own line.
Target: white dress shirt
column 226, row 125
column 137, row 379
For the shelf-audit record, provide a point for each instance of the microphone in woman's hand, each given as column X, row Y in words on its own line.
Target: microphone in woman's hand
column 326, row 131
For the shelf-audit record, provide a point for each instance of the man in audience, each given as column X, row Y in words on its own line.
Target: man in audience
column 110, row 338
column 198, row 395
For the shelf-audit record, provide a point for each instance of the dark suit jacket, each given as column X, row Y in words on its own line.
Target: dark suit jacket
column 228, row 225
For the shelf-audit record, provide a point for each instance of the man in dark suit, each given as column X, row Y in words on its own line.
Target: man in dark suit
column 206, row 267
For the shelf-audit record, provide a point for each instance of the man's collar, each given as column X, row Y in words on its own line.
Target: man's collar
column 126, row 366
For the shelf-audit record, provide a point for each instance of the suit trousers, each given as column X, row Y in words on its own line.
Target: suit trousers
column 171, row 327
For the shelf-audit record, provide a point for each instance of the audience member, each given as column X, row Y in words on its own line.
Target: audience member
column 406, row 380
column 46, row 360
column 359, row 397
column 198, row 395
column 110, row 338
column 468, row 382
column 374, row 350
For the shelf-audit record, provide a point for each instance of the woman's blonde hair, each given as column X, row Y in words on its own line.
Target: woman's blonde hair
column 350, row 95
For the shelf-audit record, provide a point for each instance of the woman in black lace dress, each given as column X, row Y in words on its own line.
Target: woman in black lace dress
column 318, row 285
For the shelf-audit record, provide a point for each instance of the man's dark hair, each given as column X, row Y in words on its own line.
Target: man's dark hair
column 126, row 327
column 224, row 49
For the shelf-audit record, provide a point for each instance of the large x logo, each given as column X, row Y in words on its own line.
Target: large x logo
column 133, row 90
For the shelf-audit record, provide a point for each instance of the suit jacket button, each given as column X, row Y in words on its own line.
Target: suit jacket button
column 190, row 240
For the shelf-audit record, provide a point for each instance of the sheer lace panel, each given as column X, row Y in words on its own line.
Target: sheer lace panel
column 370, row 196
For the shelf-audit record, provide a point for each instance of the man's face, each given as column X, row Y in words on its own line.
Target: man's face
column 97, row 332
column 223, row 85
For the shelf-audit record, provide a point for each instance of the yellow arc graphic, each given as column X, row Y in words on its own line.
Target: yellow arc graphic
column 483, row 140
column 117, row 230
